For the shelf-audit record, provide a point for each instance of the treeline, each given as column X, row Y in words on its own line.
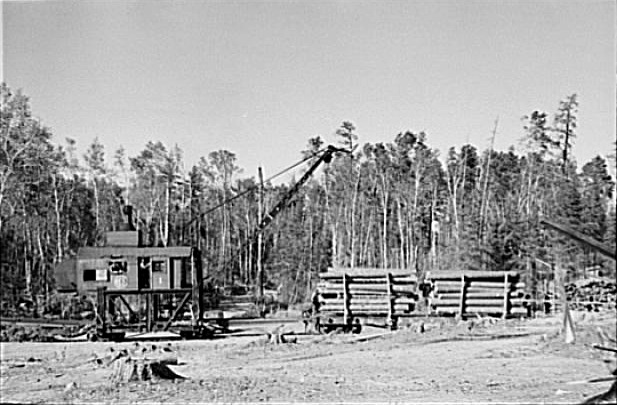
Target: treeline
column 392, row 204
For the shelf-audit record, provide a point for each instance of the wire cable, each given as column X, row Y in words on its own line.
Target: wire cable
column 248, row 190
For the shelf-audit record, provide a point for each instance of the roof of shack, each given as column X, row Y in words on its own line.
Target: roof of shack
column 129, row 251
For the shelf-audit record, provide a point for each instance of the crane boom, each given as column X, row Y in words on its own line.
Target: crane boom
column 580, row 238
column 326, row 156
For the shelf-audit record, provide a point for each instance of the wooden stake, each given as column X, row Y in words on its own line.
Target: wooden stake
column 461, row 304
column 346, row 312
column 390, row 299
column 505, row 295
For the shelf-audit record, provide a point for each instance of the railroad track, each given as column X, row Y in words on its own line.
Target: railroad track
column 44, row 323
column 59, row 323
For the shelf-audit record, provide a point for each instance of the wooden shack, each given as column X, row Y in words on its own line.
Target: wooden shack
column 132, row 267
column 141, row 288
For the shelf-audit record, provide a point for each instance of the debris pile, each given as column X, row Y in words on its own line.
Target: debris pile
column 592, row 294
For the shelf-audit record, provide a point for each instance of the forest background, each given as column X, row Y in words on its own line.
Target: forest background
column 396, row 204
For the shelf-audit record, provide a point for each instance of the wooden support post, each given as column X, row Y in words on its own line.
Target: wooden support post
column 197, row 303
column 346, row 300
column 461, row 304
column 153, row 310
column 101, row 324
column 506, row 296
column 148, row 312
column 185, row 299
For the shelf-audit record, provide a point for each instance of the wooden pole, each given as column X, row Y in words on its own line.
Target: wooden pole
column 260, row 214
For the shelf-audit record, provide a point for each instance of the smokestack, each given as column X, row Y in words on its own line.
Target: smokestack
column 128, row 210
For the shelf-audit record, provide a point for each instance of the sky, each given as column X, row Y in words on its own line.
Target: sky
column 259, row 78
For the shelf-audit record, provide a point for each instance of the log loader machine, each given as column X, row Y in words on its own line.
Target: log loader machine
column 609, row 396
column 323, row 156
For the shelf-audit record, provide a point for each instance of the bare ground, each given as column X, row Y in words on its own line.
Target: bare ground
column 508, row 361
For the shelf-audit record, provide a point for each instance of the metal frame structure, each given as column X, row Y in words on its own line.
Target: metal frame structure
column 148, row 310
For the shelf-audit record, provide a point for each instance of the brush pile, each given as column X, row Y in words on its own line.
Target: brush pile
column 592, row 294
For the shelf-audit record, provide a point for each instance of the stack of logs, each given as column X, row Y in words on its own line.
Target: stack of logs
column 592, row 294
column 352, row 292
column 466, row 293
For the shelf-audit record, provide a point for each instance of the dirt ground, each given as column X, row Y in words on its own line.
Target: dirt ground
column 467, row 362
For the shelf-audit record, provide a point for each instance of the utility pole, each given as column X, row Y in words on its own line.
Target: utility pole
column 260, row 215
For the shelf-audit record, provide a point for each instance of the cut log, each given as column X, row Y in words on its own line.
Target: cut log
column 447, row 284
column 448, row 290
column 470, row 274
column 402, row 308
column 372, row 296
column 488, row 289
column 469, row 302
column 356, row 302
column 404, row 280
column 486, row 284
column 365, row 272
column 471, row 294
column 447, row 310
column 376, row 312
column 354, row 308
column 496, row 309
column 373, row 285
column 404, row 300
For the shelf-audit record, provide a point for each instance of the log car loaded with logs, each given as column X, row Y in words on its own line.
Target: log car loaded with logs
column 465, row 293
column 345, row 297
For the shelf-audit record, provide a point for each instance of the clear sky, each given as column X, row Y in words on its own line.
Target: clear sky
column 261, row 77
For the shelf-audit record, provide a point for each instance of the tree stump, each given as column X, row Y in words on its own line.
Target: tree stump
column 143, row 364
column 277, row 336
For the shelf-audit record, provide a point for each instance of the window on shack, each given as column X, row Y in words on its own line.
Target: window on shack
column 90, row 275
column 102, row 275
column 117, row 267
column 158, row 265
